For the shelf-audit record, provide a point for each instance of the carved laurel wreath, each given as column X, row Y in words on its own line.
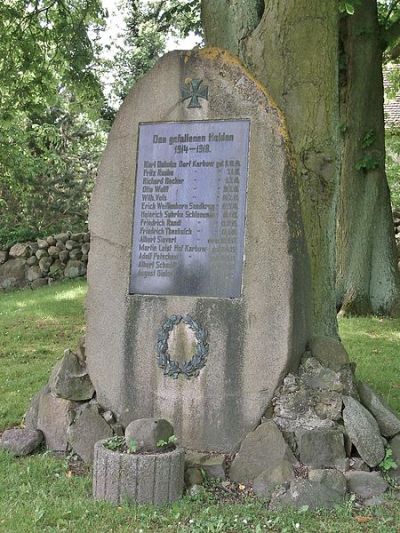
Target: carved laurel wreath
column 190, row 368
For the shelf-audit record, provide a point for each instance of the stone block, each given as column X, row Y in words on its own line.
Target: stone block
column 260, row 450
column 266, row 482
column 12, row 273
column 54, row 418
column 87, row 428
column 70, row 380
column 20, row 442
column 363, row 431
column 33, row 272
column 148, row 431
column 22, row 250
column 313, row 494
column 366, row 484
column 3, row 256
column 321, row 448
column 74, row 269
column 213, row 464
column 388, row 422
column 157, row 479
column 330, row 352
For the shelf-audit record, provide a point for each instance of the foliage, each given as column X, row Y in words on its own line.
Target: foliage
column 114, row 443
column 388, row 463
column 50, row 127
column 148, row 26
column 392, row 140
column 167, row 443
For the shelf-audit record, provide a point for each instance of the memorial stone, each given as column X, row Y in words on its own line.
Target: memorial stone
column 198, row 275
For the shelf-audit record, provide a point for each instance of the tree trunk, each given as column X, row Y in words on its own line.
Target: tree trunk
column 367, row 274
column 292, row 49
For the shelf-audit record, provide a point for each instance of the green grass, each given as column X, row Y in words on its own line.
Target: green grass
column 39, row 494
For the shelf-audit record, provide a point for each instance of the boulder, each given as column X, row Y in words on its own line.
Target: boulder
column 322, row 448
column 54, row 417
column 20, row 250
column 42, row 244
column 74, row 269
column 20, row 442
column 260, row 450
column 12, row 273
column 306, row 493
column 63, row 256
column 53, row 251
column 41, row 282
column 41, row 253
column 388, row 422
column 32, row 260
column 213, row 464
column 33, row 272
column 363, row 431
column 70, row 380
column 31, row 416
column 45, row 263
column 330, row 352
column 329, row 478
column 147, row 432
column 70, row 244
column 366, row 484
column 87, row 428
column 75, row 253
column 318, row 377
column 3, row 256
column 51, row 240
column 266, row 482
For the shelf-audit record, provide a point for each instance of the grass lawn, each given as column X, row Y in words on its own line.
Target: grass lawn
column 40, row 493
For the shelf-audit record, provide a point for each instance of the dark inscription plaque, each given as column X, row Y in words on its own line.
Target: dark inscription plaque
column 190, row 205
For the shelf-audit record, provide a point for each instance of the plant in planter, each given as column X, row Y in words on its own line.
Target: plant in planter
column 144, row 466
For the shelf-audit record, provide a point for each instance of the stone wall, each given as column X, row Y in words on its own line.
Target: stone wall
column 37, row 263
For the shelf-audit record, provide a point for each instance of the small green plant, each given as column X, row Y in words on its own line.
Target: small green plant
column 368, row 162
column 132, row 445
column 388, row 463
column 164, row 443
column 114, row 443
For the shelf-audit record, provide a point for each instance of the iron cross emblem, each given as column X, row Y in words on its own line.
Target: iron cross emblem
column 194, row 92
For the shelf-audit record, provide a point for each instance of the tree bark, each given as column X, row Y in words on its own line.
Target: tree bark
column 292, row 49
column 367, row 274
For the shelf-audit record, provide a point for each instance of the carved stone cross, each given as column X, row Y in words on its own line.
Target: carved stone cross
column 194, row 92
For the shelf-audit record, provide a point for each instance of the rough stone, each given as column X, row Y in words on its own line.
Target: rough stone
column 12, row 273
column 316, row 376
column 31, row 416
column 34, row 272
column 54, row 417
column 42, row 244
column 193, row 476
column 81, row 350
column 70, row 245
column 329, row 478
column 330, row 352
column 41, row 253
column 56, row 268
column 274, row 475
column 87, row 428
column 41, row 282
column 388, row 422
column 3, row 256
column 22, row 250
column 356, row 463
column 53, row 251
column 394, row 445
column 213, row 464
column 20, row 442
column 45, row 263
column 70, row 380
column 157, row 479
column 214, row 411
column 85, row 248
column 312, row 494
column 366, row 484
column 74, row 269
column 75, row 253
column 148, row 431
column 63, row 256
column 60, row 245
column 363, row 431
column 63, row 237
column 51, row 241
column 321, row 448
column 32, row 260
column 77, row 236
column 260, row 450
column 86, row 237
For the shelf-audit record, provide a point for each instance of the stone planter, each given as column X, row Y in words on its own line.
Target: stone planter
column 137, row 478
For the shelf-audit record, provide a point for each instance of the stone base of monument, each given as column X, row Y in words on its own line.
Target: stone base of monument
column 155, row 478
